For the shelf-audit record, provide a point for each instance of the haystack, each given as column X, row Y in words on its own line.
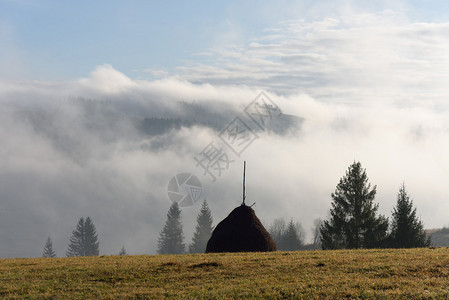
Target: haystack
column 241, row 231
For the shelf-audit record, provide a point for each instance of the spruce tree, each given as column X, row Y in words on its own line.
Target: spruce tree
column 353, row 222
column 77, row 240
column 48, row 249
column 407, row 230
column 92, row 244
column 292, row 239
column 84, row 239
column 171, row 238
column 288, row 237
column 316, row 233
column 203, row 230
column 122, row 251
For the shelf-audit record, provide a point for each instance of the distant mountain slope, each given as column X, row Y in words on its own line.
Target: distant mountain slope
column 440, row 237
column 214, row 117
column 75, row 125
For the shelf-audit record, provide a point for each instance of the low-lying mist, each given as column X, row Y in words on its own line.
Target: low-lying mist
column 106, row 146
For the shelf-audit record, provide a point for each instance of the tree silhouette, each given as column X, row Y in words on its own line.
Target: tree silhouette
column 288, row 237
column 171, row 238
column 84, row 239
column 48, row 249
column 122, row 251
column 277, row 231
column 353, row 223
column 407, row 230
column 316, row 233
column 293, row 237
column 203, row 230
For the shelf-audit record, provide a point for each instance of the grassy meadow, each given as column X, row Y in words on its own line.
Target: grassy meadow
column 411, row 274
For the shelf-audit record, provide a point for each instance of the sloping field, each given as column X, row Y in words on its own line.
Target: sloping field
column 414, row 273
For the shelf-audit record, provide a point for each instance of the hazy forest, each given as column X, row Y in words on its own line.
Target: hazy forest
column 353, row 224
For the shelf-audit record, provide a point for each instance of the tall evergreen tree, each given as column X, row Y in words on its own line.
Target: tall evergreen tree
column 203, row 230
column 84, row 239
column 293, row 237
column 91, row 241
column 171, row 238
column 316, row 233
column 122, row 251
column 288, row 237
column 407, row 230
column 353, row 222
column 48, row 249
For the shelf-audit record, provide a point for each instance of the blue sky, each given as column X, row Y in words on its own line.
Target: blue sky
column 62, row 39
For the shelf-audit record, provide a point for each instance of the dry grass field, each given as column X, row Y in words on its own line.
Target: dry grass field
column 408, row 274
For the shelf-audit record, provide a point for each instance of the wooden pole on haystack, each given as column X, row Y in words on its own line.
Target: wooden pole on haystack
column 244, row 175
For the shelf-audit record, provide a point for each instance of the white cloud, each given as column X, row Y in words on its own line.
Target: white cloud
column 348, row 58
column 107, row 80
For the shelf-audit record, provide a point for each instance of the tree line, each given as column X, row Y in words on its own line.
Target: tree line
column 353, row 223
column 171, row 238
column 83, row 241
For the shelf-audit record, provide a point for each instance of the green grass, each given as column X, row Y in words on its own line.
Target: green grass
column 408, row 274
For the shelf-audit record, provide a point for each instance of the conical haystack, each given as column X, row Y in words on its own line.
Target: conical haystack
column 241, row 231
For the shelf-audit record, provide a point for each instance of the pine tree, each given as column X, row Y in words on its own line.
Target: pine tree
column 292, row 239
column 84, row 240
column 316, row 233
column 203, row 230
column 407, row 230
column 171, row 238
column 122, row 251
column 77, row 240
column 48, row 249
column 91, row 241
column 288, row 237
column 353, row 222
